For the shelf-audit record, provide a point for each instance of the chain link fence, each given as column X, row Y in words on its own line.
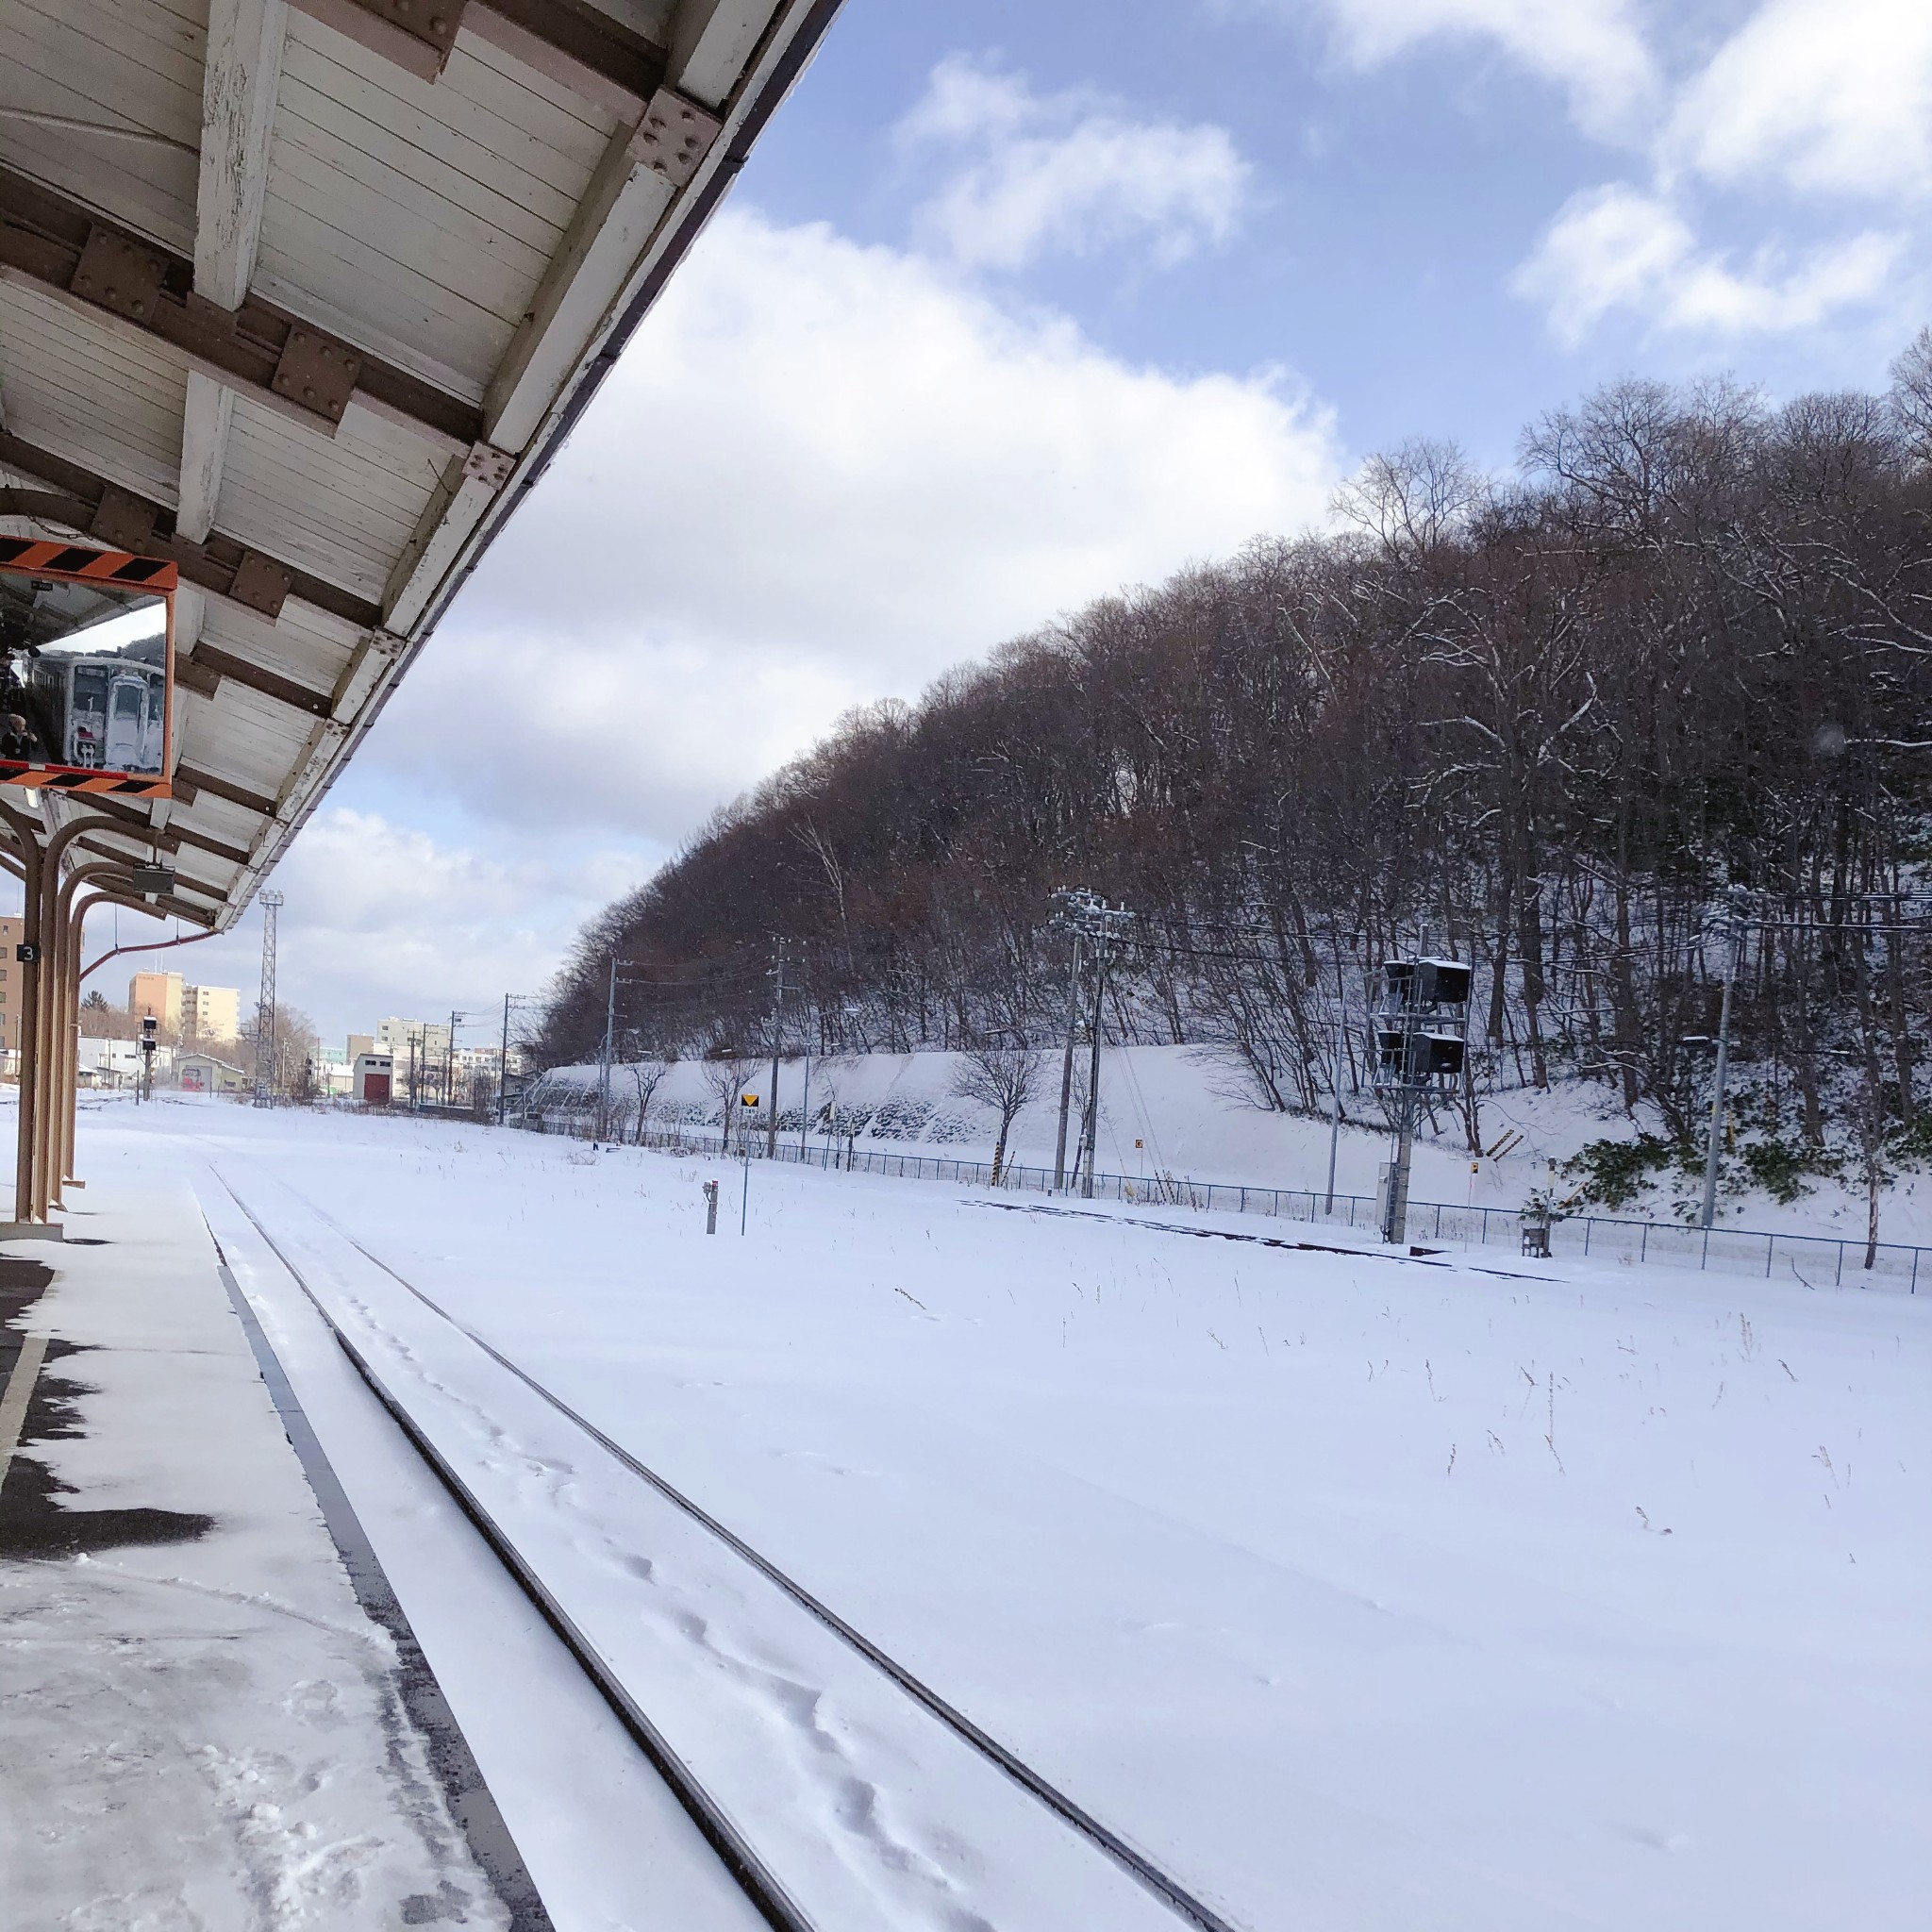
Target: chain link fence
column 1812, row 1260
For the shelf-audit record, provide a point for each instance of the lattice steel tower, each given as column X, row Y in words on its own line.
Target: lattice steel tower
column 265, row 1006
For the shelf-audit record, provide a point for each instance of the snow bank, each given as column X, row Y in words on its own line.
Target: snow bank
column 1368, row 1594
column 1181, row 1111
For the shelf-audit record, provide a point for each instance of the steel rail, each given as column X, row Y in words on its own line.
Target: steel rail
column 759, row 1884
column 1169, row 1891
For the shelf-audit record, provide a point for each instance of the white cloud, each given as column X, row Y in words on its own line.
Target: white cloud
column 1066, row 174
column 1593, row 49
column 1831, row 95
column 384, row 918
column 1619, row 248
column 824, row 474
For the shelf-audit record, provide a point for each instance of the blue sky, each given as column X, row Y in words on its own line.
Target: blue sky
column 1016, row 305
column 1406, row 160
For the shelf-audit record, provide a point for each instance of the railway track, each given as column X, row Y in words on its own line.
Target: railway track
column 386, row 1361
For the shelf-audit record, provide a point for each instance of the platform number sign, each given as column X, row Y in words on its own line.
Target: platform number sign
column 87, row 669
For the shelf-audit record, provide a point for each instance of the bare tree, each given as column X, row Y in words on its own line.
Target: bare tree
column 1911, row 393
column 646, row 1077
column 1414, row 497
column 1001, row 1077
column 1543, row 721
column 296, row 1046
column 726, row 1070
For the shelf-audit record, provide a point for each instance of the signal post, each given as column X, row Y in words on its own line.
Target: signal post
column 1419, row 1027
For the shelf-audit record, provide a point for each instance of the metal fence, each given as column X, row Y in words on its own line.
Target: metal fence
column 1813, row 1260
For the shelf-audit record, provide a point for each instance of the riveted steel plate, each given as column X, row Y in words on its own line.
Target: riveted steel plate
column 118, row 274
column 317, row 373
column 123, row 520
column 432, row 22
column 488, row 465
column 261, row 583
column 674, row 136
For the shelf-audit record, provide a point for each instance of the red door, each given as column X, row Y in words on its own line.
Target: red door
column 375, row 1088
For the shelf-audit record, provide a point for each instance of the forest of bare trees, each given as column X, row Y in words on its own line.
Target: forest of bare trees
column 1670, row 673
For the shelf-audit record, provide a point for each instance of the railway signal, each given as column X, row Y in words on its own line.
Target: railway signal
column 749, row 1102
column 1419, row 1031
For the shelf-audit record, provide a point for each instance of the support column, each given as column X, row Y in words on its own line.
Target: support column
column 45, row 1131
column 26, row 836
column 104, row 875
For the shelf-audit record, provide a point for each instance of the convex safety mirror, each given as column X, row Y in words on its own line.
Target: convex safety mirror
column 87, row 669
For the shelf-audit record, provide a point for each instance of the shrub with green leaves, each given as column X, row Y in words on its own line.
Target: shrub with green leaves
column 1614, row 1172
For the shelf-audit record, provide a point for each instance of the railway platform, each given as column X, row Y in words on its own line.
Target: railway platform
column 215, row 1714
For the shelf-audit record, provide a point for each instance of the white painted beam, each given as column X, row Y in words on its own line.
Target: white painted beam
column 463, row 498
column 237, row 110
column 190, row 614
column 712, row 42
column 614, row 223
column 204, row 444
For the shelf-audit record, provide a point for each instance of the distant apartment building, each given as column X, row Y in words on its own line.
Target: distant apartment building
column 429, row 1040
column 211, row 1012
column 156, row 994
column 12, row 933
column 194, row 1012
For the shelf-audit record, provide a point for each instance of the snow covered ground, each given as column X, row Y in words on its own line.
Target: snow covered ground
column 1362, row 1592
column 1177, row 1110
column 199, row 1727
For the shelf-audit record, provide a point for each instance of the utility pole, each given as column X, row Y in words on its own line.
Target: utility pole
column 1090, row 1132
column 503, row 1066
column 449, row 1060
column 777, row 1024
column 604, row 1075
column 271, row 903
column 1733, row 965
column 1096, row 928
column 1334, row 1112
column 1059, row 1151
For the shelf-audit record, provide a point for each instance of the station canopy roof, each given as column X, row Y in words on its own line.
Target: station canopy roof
column 303, row 294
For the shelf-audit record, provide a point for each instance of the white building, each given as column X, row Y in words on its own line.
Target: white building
column 211, row 1012
column 429, row 1038
column 117, row 1062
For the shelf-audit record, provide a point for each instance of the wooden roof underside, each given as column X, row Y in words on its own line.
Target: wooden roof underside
column 304, row 293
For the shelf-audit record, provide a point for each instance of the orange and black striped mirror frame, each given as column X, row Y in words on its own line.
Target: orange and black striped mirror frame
column 80, row 563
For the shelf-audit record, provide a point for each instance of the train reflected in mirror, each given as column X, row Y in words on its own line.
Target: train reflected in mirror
column 86, row 664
